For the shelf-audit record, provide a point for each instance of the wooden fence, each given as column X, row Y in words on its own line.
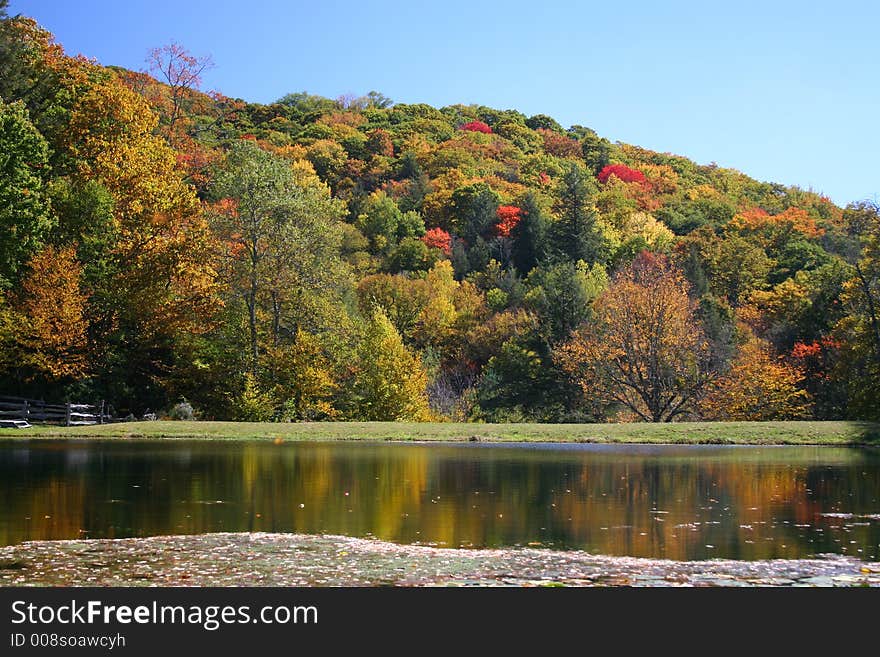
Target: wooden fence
column 68, row 414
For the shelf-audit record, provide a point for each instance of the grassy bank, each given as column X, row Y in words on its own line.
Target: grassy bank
column 734, row 433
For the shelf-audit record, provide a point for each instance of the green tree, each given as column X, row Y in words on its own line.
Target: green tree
column 562, row 294
column 379, row 220
column 529, row 236
column 575, row 234
column 282, row 243
column 860, row 328
column 475, row 210
column 863, row 225
column 596, row 150
column 24, row 217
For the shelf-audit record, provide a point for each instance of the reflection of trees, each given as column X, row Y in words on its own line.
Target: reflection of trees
column 647, row 503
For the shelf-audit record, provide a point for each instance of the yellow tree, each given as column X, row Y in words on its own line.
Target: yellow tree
column 390, row 383
column 10, row 327
column 52, row 341
column 304, row 376
column 165, row 278
column 645, row 349
column 758, row 387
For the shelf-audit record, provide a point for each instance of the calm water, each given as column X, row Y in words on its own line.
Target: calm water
column 693, row 502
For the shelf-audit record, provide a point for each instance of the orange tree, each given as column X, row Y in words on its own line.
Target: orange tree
column 645, row 348
column 758, row 387
column 52, row 337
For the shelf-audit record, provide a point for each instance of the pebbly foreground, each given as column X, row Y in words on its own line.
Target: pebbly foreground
column 315, row 560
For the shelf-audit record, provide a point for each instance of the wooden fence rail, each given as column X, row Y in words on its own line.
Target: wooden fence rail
column 68, row 414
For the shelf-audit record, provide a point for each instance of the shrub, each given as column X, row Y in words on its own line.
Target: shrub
column 182, row 411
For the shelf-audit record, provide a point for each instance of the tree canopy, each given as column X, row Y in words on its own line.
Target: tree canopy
column 353, row 258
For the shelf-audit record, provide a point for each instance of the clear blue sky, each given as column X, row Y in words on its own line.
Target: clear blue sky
column 784, row 91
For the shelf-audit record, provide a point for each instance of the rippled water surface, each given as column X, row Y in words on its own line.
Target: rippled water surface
column 670, row 502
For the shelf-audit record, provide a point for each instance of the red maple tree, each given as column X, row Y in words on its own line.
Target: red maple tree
column 476, row 126
column 622, row 173
column 437, row 238
column 508, row 217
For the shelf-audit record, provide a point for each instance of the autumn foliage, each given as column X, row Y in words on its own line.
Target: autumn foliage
column 53, row 338
column 157, row 242
column 559, row 145
column 476, row 126
column 621, row 172
column 644, row 350
column 792, row 219
column 379, row 143
column 508, row 217
column 438, row 238
column 758, row 387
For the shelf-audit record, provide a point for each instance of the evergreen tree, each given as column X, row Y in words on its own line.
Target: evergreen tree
column 575, row 235
column 529, row 237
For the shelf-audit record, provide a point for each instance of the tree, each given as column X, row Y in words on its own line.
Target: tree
column 529, row 235
column 111, row 138
column 181, row 71
column 521, row 382
column 411, row 254
column 596, row 150
column 36, row 72
column 735, row 266
column 863, row 226
column 575, row 234
column 158, row 276
column 558, row 144
column 379, row 143
column 645, row 349
column 385, row 225
column 306, row 378
column 543, row 121
column 757, row 388
column 281, row 238
column 378, row 100
column 475, row 210
column 437, row 238
column 562, row 296
column 859, row 331
column 621, row 172
column 508, row 217
column 390, row 383
column 53, row 338
column 476, row 126
column 10, row 327
column 777, row 228
column 24, row 218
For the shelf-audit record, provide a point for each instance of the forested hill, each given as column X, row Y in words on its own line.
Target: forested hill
column 168, row 249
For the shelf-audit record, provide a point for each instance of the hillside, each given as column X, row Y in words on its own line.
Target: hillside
column 355, row 259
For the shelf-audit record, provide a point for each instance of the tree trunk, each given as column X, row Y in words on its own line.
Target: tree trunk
column 252, row 317
column 252, row 305
column 276, row 318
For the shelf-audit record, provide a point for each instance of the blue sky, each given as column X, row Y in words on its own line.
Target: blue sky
column 784, row 91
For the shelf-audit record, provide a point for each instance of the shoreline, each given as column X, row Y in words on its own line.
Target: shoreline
column 834, row 433
column 265, row 559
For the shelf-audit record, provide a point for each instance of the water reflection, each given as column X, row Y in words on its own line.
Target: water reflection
column 671, row 502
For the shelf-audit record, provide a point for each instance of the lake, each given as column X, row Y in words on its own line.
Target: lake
column 670, row 502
